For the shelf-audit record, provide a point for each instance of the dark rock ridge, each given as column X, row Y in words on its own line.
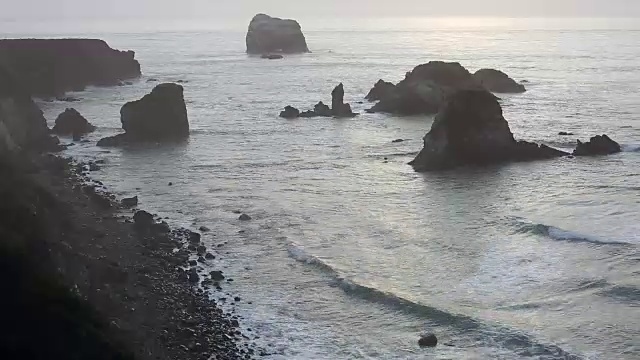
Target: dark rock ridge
column 597, row 145
column 338, row 108
column 159, row 116
column 71, row 122
column 268, row 35
column 425, row 89
column 498, row 82
column 50, row 67
column 471, row 130
column 272, row 56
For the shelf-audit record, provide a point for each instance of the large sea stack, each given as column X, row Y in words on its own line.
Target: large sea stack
column 268, row 35
column 470, row 130
column 50, row 67
column 158, row 117
column 425, row 89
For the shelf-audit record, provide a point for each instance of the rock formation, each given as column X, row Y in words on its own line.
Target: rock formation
column 268, row 35
column 597, row 145
column 425, row 89
column 338, row 108
column 22, row 125
column 272, row 56
column 159, row 116
column 71, row 122
column 497, row 81
column 50, row 67
column 380, row 90
column 470, row 130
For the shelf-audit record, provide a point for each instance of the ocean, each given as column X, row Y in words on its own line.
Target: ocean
column 350, row 253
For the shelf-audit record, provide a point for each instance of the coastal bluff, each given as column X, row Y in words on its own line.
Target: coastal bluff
column 51, row 67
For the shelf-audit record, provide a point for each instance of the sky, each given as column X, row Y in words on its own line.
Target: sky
column 17, row 10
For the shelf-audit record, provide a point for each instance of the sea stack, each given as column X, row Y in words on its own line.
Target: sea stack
column 71, row 122
column 497, row 81
column 50, row 67
column 471, row 130
column 158, row 117
column 269, row 35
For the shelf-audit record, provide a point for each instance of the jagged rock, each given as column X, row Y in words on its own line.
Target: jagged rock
column 321, row 109
column 497, row 81
column 338, row 107
column 72, row 122
column 470, row 130
column 268, row 35
column 380, row 90
column 159, row 116
column 272, row 56
column 50, row 67
column 597, row 145
column 129, row 202
column 290, row 112
column 428, row 340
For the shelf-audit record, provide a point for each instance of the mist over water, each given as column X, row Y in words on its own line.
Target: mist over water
column 349, row 256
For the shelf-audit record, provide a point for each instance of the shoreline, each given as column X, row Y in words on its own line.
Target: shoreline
column 134, row 278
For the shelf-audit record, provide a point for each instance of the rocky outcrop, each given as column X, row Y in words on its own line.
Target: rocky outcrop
column 425, row 89
column 338, row 108
column 498, row 82
column 471, row 130
column 50, row 67
column 380, row 90
column 159, row 116
column 71, row 122
column 597, row 145
column 269, row 35
column 22, row 125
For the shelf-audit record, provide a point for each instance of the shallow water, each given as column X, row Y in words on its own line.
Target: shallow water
column 349, row 256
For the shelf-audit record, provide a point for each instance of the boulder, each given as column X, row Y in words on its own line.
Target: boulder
column 50, row 67
column 380, row 90
column 290, row 112
column 268, row 35
column 143, row 220
column 71, row 122
column 497, row 81
column 158, row 117
column 216, row 275
column 597, row 145
column 425, row 89
column 129, row 202
column 471, row 130
column 244, row 217
column 272, row 56
column 338, row 107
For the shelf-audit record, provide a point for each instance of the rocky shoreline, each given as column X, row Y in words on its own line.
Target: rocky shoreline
column 137, row 281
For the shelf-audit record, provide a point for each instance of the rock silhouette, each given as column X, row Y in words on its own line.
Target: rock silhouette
column 269, row 35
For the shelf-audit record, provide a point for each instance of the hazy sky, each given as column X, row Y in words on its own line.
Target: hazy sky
column 221, row 9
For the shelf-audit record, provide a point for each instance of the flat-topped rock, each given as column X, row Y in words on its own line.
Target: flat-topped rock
column 50, row 67
column 270, row 35
column 159, row 116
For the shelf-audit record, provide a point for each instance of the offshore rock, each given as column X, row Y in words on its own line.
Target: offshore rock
column 498, row 82
column 71, row 122
column 269, row 35
column 597, row 145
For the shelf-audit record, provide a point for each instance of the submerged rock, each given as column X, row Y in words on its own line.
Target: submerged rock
column 564, row 133
column 272, row 56
column 471, row 130
column 597, row 145
column 71, row 122
column 244, row 217
column 268, row 35
column 338, row 109
column 497, row 81
column 159, row 116
column 428, row 340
